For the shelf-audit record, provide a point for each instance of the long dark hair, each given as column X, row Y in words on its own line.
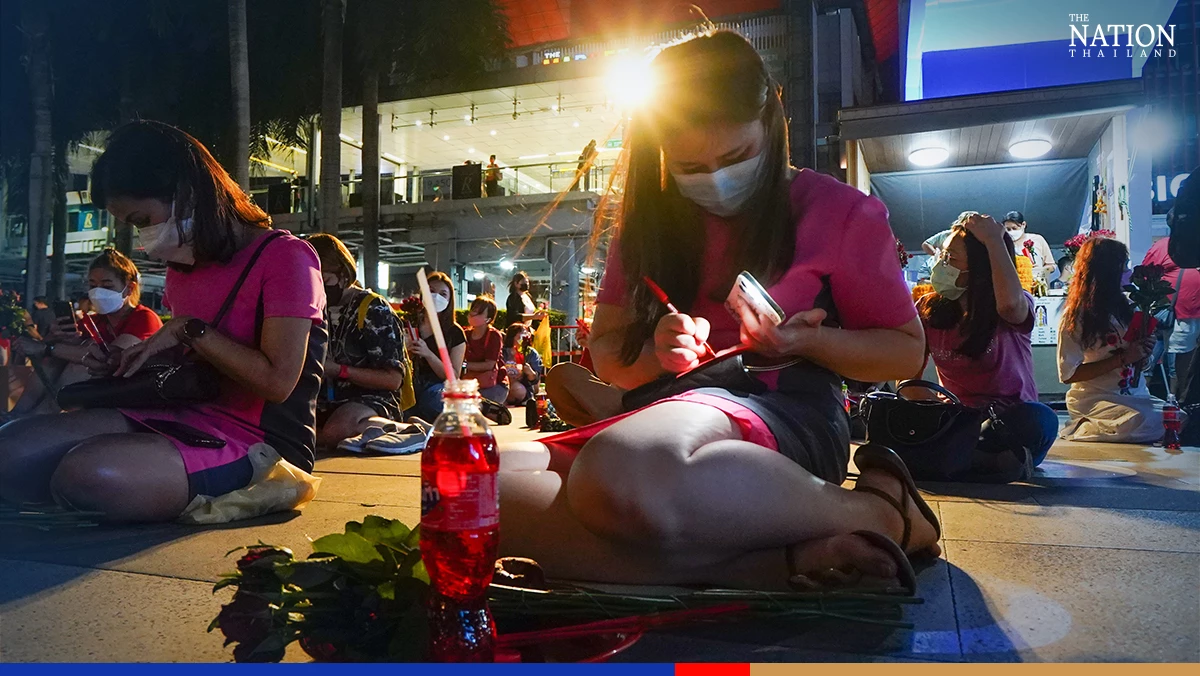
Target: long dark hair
column 445, row 317
column 1095, row 297
column 147, row 159
column 514, row 285
column 712, row 78
column 978, row 322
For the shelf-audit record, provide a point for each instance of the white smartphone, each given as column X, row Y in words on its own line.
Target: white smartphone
column 749, row 302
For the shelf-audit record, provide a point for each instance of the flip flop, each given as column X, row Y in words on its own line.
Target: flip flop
column 874, row 456
column 833, row 578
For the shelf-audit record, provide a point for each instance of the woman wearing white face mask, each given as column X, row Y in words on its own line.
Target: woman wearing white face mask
column 708, row 193
column 114, row 291
column 978, row 326
column 148, row 464
column 1031, row 245
column 429, row 375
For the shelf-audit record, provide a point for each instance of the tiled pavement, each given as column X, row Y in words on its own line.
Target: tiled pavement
column 1096, row 559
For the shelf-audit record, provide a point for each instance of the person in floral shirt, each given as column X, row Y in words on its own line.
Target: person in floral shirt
column 1096, row 357
column 366, row 365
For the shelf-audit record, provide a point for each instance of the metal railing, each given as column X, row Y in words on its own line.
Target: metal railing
column 438, row 184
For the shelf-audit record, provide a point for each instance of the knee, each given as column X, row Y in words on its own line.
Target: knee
column 626, row 492
column 82, row 482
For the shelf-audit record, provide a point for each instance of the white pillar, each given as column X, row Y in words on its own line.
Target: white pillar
column 1118, row 217
column 1141, row 178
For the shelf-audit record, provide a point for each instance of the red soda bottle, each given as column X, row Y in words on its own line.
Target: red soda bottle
column 543, row 402
column 460, row 519
column 1172, row 424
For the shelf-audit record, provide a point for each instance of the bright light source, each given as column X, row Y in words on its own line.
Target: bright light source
column 346, row 138
column 507, row 265
column 467, row 119
column 418, row 123
column 928, row 157
column 492, row 132
column 1029, row 149
column 389, row 156
column 446, row 137
column 471, row 151
column 1154, row 133
column 554, row 107
column 478, row 275
column 629, row 81
column 575, row 124
column 587, row 271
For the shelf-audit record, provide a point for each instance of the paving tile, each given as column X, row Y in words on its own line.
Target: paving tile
column 190, row 552
column 381, row 465
column 69, row 614
column 370, row 489
column 1019, row 602
column 1076, row 526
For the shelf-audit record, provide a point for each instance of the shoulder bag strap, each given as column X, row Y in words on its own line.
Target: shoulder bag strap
column 1178, row 288
column 237, row 286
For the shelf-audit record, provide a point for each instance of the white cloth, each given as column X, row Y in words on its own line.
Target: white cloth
column 1098, row 410
column 1185, row 337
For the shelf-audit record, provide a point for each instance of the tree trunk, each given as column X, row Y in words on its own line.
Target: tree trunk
column 35, row 25
column 58, row 251
column 123, row 232
column 239, row 63
column 333, row 18
column 4, row 170
column 370, row 175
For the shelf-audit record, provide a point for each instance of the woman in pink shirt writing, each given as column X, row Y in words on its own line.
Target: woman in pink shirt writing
column 714, row 485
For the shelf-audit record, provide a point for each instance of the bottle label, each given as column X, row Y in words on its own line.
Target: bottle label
column 460, row 501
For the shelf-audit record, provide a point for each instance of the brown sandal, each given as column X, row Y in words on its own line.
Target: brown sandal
column 874, row 456
column 833, row 578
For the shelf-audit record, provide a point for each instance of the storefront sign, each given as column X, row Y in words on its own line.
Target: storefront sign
column 1161, row 187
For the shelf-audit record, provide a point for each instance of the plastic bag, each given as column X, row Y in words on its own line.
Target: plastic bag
column 541, row 340
column 277, row 486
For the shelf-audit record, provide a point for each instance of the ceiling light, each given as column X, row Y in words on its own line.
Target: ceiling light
column 418, row 123
column 575, row 124
column 1029, row 149
column 928, row 157
column 554, row 107
column 467, row 119
column 507, row 265
column 347, row 138
column 493, row 132
column 587, row 270
column 446, row 137
column 478, row 275
column 471, row 151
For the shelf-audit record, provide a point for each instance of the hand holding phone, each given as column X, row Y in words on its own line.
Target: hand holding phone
column 750, row 304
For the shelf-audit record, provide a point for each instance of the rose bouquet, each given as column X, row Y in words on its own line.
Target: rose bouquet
column 1072, row 245
column 902, row 254
column 1149, row 293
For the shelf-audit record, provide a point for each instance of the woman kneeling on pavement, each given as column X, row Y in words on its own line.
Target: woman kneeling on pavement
column 1098, row 359
column 366, row 364
column 978, row 326
column 721, row 486
column 148, row 464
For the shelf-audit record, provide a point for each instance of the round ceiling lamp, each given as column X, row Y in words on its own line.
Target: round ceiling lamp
column 1030, row 149
column 928, row 157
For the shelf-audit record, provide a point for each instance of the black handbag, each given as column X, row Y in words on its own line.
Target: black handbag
column 728, row 372
column 936, row 439
column 172, row 379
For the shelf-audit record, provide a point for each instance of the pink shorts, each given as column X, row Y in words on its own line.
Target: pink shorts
column 751, row 426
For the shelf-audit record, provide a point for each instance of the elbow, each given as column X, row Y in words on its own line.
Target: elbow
column 1014, row 313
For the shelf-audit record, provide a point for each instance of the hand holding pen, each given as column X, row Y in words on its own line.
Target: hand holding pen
column 677, row 333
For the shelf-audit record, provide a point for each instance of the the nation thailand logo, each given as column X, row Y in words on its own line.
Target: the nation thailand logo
column 1092, row 40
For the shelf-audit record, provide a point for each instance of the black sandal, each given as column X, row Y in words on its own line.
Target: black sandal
column 874, row 456
column 833, row 578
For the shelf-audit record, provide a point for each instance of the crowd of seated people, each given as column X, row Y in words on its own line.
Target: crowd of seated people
column 308, row 358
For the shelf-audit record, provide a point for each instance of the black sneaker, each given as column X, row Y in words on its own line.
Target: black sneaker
column 497, row 413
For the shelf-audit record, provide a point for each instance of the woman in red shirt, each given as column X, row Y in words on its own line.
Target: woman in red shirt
column 484, row 344
column 68, row 353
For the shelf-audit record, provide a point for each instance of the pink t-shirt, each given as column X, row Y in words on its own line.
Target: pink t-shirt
column 1188, row 305
column 1003, row 374
column 287, row 279
column 842, row 237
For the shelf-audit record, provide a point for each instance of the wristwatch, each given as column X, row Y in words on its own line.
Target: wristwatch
column 193, row 329
column 48, row 351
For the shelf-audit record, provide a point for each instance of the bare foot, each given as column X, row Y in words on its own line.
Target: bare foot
column 923, row 537
column 842, row 561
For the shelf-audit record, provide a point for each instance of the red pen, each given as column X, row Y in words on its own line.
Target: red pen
column 662, row 298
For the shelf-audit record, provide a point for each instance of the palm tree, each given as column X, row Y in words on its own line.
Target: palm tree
column 35, row 24
column 240, row 75
column 332, row 24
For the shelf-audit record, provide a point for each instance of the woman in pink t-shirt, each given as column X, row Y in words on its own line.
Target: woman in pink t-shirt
column 719, row 486
column 978, row 323
column 147, row 465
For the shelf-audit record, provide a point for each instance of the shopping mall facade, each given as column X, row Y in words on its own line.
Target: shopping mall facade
column 866, row 83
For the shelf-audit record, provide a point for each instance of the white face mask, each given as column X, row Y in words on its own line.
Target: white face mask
column 106, row 301
column 162, row 241
column 1017, row 236
column 725, row 191
column 944, row 278
column 440, row 302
